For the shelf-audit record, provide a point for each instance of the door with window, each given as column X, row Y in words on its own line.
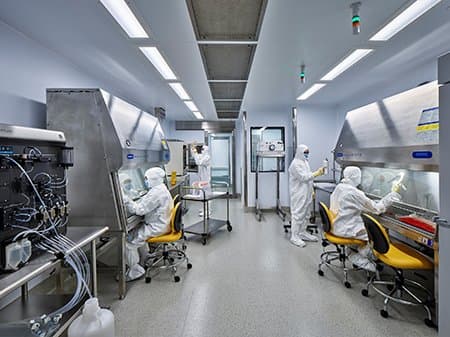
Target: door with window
column 221, row 150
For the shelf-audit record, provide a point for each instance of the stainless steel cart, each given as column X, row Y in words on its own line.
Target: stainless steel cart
column 207, row 225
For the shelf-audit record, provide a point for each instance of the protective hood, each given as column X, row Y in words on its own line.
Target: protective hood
column 205, row 149
column 299, row 154
column 155, row 176
column 352, row 175
column 124, row 178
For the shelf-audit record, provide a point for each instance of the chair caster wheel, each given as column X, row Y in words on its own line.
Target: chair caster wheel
column 176, row 278
column 148, row 279
column 204, row 241
column 229, row 228
column 365, row 292
column 390, row 287
column 429, row 323
column 347, row 284
column 384, row 313
column 286, row 230
column 324, row 244
column 320, row 272
column 189, row 266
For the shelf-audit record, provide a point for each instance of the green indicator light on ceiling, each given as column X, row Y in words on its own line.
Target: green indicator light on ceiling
column 302, row 74
column 356, row 18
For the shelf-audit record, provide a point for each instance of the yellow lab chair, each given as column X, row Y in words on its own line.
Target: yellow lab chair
column 341, row 245
column 167, row 255
column 399, row 257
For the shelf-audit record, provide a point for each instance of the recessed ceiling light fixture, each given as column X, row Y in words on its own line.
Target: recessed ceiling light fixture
column 125, row 18
column 350, row 60
column 409, row 15
column 178, row 88
column 311, row 91
column 191, row 105
column 155, row 57
column 197, row 114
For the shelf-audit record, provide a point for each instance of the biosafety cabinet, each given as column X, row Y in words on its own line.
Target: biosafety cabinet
column 112, row 140
column 397, row 140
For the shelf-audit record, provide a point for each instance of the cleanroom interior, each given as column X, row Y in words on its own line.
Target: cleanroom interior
column 123, row 86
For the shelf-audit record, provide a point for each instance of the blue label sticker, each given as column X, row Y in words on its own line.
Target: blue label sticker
column 339, row 154
column 130, row 156
column 430, row 243
column 422, row 154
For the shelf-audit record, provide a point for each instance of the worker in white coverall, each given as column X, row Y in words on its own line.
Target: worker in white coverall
column 347, row 202
column 156, row 207
column 301, row 195
column 203, row 161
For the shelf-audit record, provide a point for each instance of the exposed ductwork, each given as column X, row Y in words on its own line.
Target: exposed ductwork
column 227, row 32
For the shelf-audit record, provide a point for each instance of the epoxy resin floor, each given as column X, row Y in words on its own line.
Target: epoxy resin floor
column 253, row 282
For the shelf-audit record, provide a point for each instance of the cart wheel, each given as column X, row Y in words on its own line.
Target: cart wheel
column 365, row 292
column 429, row 323
column 312, row 219
column 189, row 266
column 347, row 284
column 204, row 241
column 176, row 278
column 229, row 227
column 148, row 279
column 320, row 272
column 286, row 230
column 384, row 313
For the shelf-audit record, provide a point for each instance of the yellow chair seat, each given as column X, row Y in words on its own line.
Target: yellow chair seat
column 338, row 240
column 169, row 237
column 402, row 256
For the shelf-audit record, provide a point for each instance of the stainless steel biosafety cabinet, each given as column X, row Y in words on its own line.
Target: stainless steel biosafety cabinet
column 110, row 137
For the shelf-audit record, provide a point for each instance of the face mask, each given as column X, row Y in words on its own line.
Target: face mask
column 128, row 187
column 306, row 155
column 147, row 184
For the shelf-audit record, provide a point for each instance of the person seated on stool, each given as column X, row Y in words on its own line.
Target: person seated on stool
column 156, row 207
column 347, row 202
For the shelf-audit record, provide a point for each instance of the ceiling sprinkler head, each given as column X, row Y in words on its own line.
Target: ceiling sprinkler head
column 356, row 19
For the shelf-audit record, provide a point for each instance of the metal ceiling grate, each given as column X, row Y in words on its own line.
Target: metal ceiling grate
column 227, row 19
column 227, row 62
column 228, row 31
column 227, row 90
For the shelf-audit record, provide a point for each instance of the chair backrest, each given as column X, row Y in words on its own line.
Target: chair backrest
column 176, row 218
column 326, row 216
column 176, row 199
column 378, row 237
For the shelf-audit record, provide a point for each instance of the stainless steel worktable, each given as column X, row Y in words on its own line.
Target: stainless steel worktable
column 45, row 262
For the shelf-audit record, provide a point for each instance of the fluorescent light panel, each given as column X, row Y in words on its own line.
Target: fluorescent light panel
column 350, row 60
column 197, row 114
column 191, row 105
column 409, row 15
column 311, row 91
column 125, row 18
column 178, row 88
column 158, row 62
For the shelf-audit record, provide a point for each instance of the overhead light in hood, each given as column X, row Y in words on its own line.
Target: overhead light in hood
column 178, row 88
column 125, row 18
column 409, row 15
column 158, row 62
column 350, row 60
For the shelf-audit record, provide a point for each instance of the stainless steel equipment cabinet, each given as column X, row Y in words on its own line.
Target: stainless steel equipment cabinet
column 112, row 140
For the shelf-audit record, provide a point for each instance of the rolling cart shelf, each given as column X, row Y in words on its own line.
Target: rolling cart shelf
column 207, row 226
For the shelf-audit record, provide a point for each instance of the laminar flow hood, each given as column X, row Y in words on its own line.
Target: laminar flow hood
column 400, row 131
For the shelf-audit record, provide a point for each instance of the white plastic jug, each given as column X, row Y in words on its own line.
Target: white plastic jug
column 93, row 322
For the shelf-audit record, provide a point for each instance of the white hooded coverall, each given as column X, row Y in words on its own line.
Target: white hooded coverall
column 203, row 161
column 347, row 202
column 301, row 191
column 156, row 207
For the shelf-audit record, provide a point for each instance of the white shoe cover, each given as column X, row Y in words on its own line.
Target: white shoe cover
column 298, row 242
column 305, row 236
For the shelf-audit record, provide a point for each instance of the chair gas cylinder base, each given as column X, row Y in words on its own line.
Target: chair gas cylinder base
column 399, row 257
column 168, row 255
column 338, row 257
